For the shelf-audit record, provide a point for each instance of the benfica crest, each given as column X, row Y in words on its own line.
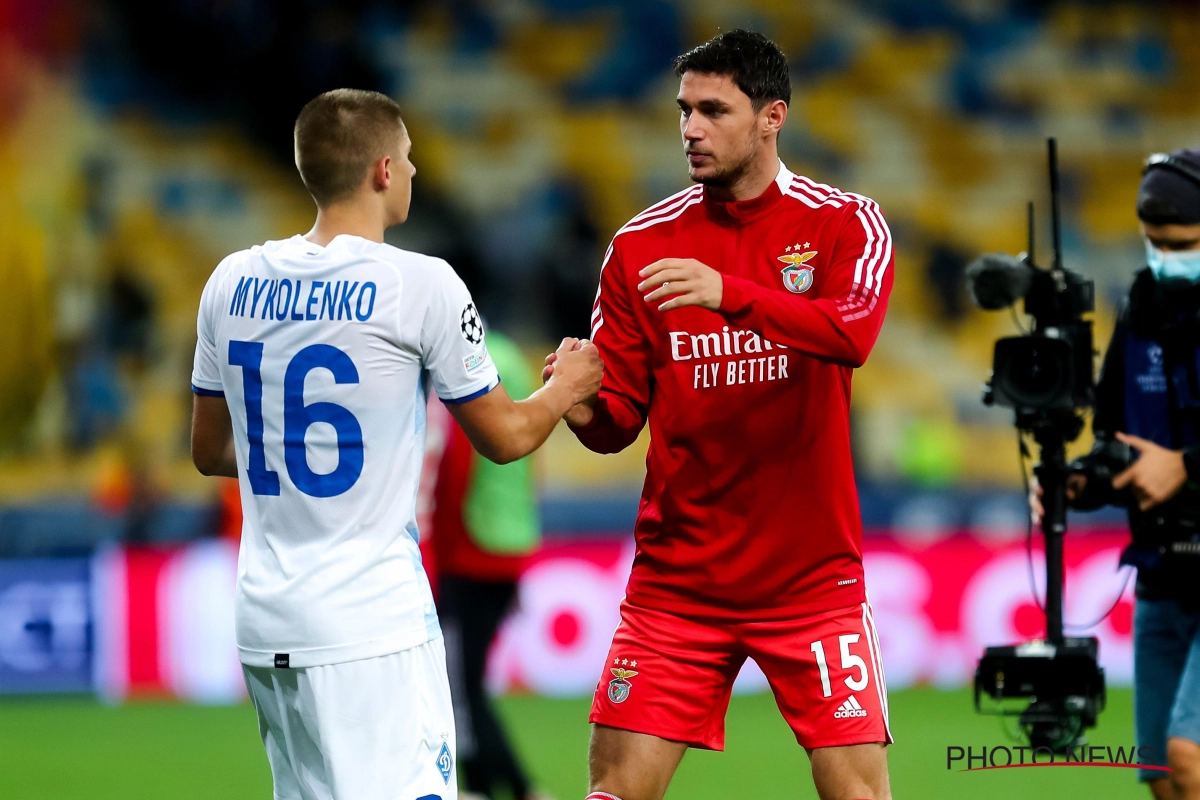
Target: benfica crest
column 797, row 276
column 618, row 687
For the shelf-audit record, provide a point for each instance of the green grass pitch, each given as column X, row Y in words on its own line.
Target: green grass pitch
column 63, row 749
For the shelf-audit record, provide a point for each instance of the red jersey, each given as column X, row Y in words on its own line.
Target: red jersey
column 749, row 506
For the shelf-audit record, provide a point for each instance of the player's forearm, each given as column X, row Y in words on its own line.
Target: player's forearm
column 526, row 425
column 615, row 424
column 821, row 328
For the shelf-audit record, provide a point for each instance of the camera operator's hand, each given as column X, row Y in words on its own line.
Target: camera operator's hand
column 1156, row 476
column 1076, row 483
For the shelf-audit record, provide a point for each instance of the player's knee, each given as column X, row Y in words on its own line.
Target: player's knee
column 630, row 766
column 857, row 793
column 860, row 792
column 603, row 757
column 857, row 772
column 607, row 781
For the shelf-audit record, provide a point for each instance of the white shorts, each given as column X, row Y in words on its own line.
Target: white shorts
column 377, row 729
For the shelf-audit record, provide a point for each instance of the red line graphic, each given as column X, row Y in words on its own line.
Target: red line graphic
column 1069, row 764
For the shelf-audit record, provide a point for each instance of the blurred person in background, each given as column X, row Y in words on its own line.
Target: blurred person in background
column 1146, row 457
column 574, row 242
column 315, row 357
column 117, row 371
column 732, row 316
column 944, row 267
column 129, row 329
column 485, row 525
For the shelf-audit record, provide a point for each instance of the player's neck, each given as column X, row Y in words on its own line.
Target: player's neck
column 353, row 218
column 757, row 178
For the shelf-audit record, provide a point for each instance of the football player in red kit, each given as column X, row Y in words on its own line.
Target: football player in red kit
column 731, row 317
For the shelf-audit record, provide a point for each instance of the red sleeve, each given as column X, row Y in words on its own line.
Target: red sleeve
column 842, row 322
column 625, row 392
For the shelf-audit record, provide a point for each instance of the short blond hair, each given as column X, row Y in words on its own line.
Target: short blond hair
column 339, row 135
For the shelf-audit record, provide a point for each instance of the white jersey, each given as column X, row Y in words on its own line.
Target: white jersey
column 326, row 356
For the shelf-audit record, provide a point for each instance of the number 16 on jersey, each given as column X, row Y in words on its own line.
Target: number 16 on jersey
column 297, row 418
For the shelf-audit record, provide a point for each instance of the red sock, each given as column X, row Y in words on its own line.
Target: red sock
column 601, row 796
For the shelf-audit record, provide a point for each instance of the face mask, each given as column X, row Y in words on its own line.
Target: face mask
column 1176, row 264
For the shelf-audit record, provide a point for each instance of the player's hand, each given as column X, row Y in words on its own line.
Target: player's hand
column 576, row 363
column 1076, row 483
column 1157, row 474
column 569, row 344
column 580, row 413
column 548, row 370
column 685, row 280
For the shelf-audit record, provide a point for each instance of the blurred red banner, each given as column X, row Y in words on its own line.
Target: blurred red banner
column 165, row 617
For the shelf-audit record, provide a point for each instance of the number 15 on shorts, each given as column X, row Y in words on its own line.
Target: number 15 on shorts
column 856, row 669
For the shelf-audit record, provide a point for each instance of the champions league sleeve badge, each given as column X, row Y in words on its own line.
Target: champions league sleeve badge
column 618, row 687
column 797, row 277
column 470, row 325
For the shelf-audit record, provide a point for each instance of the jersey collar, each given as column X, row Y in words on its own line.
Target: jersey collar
column 755, row 207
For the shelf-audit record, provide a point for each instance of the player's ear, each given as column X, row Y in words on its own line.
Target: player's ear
column 382, row 173
column 773, row 116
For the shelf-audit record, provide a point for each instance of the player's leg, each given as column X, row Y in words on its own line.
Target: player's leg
column 665, row 687
column 827, row 677
column 631, row 766
column 273, row 693
column 385, row 725
column 851, row 772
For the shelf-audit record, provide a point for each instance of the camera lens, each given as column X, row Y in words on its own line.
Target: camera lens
column 1038, row 377
column 1033, row 372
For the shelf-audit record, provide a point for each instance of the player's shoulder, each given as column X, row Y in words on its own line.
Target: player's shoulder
column 663, row 212
column 231, row 265
column 811, row 195
column 233, row 261
column 247, row 257
column 409, row 264
column 663, row 219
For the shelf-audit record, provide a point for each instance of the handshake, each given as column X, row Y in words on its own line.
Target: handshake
column 576, row 365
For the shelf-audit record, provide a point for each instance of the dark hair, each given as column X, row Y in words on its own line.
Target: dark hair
column 339, row 135
column 754, row 62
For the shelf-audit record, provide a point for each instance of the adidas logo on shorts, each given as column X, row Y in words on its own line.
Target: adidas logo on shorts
column 850, row 708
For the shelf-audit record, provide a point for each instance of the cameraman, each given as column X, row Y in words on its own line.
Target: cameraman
column 1148, row 409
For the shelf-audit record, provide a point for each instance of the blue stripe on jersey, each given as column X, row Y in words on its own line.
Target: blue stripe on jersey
column 433, row 627
column 206, row 392
column 420, row 420
column 472, row 396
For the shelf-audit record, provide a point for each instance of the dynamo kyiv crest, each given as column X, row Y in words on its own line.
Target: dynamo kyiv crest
column 445, row 762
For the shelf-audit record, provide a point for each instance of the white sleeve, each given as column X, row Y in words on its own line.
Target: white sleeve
column 452, row 345
column 206, row 373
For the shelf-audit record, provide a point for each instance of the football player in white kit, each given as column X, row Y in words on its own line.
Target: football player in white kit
column 314, row 358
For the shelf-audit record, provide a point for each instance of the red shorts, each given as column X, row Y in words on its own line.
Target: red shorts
column 671, row 676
